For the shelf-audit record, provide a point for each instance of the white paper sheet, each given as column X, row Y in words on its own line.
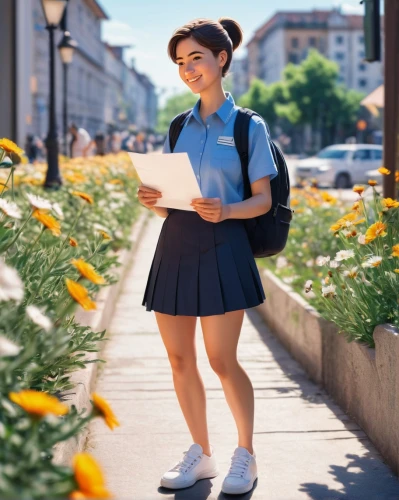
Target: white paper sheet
column 171, row 174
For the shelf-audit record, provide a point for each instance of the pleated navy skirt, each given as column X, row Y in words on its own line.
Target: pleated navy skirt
column 202, row 268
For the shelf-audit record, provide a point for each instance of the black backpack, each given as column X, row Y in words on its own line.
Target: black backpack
column 267, row 233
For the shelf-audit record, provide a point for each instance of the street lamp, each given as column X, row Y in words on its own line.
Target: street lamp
column 66, row 48
column 53, row 11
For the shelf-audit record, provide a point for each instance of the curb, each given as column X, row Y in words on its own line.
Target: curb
column 98, row 320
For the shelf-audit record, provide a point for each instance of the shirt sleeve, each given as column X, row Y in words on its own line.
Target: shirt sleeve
column 166, row 146
column 261, row 162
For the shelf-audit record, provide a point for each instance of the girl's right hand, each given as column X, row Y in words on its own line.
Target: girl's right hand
column 148, row 196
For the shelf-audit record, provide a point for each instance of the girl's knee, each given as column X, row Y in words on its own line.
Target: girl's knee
column 222, row 367
column 182, row 363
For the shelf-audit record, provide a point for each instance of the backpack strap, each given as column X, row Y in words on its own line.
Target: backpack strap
column 176, row 127
column 241, row 135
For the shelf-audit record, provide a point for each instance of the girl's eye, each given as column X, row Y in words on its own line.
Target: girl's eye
column 197, row 57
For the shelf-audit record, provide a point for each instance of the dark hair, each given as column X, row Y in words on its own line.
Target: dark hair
column 224, row 34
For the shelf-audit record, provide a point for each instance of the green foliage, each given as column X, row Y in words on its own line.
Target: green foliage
column 174, row 106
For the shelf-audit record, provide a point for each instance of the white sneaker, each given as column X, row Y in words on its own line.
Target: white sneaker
column 242, row 474
column 193, row 466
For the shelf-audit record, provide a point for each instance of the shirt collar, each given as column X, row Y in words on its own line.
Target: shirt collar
column 224, row 112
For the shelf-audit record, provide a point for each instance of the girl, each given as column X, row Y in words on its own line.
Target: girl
column 203, row 266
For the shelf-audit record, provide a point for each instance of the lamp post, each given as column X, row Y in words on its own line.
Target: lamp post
column 53, row 12
column 66, row 48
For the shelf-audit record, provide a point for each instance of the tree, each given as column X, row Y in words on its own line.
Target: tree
column 174, row 106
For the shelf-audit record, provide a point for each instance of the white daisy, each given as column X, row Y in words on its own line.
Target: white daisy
column 374, row 261
column 334, row 264
column 8, row 348
column 362, row 239
column 322, row 261
column 11, row 286
column 39, row 318
column 308, row 286
column 58, row 210
column 10, row 208
column 281, row 262
column 38, row 202
column 344, row 255
column 310, row 263
column 351, row 272
column 329, row 291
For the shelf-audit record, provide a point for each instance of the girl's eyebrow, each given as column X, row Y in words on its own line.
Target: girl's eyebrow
column 190, row 54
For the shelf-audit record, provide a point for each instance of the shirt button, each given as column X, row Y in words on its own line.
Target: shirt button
column 202, row 142
column 208, row 126
column 197, row 176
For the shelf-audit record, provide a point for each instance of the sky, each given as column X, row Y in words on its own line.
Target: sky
column 147, row 26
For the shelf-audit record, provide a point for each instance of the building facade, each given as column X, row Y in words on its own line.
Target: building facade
column 288, row 36
column 101, row 86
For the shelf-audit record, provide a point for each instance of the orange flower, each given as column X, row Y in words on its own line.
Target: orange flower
column 48, row 221
column 328, row 198
column 73, row 242
column 294, row 202
column 384, row 171
column 358, row 189
column 80, row 294
column 88, row 271
column 388, row 203
column 356, row 206
column 375, row 230
column 396, row 176
column 84, row 196
column 395, row 252
column 89, row 477
column 11, row 147
column 396, row 271
column 372, row 182
column 105, row 235
column 38, row 403
column 105, row 411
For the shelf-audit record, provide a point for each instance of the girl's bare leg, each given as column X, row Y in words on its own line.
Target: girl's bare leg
column 221, row 334
column 178, row 335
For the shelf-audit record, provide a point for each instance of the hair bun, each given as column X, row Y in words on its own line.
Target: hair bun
column 233, row 29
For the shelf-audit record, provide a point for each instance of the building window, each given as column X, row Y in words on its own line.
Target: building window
column 362, row 82
column 362, row 54
column 339, row 40
column 362, row 67
column 340, row 56
column 361, row 39
column 294, row 43
column 312, row 41
column 293, row 58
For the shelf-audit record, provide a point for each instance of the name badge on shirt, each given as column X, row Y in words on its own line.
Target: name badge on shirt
column 226, row 141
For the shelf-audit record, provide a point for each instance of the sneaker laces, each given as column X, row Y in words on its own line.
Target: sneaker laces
column 186, row 463
column 239, row 465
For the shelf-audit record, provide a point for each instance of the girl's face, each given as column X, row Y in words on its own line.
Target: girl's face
column 198, row 67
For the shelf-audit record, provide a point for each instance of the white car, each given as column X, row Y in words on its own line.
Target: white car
column 340, row 166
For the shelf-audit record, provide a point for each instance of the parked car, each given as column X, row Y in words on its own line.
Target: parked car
column 340, row 166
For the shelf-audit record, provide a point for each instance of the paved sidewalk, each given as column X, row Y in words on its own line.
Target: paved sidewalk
column 307, row 448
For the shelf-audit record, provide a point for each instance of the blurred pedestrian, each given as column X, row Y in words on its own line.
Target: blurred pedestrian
column 81, row 143
column 99, row 140
column 31, row 148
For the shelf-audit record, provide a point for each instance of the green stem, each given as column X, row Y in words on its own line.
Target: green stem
column 31, row 250
column 45, row 275
column 18, row 233
column 12, row 182
column 5, row 185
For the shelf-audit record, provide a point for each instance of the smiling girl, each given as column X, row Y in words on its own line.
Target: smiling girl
column 203, row 265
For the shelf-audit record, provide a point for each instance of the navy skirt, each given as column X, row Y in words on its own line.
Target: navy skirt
column 202, row 268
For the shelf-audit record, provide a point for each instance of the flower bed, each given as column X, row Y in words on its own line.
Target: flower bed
column 357, row 250
column 56, row 250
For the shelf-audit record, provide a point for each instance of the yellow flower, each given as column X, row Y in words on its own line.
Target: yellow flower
column 342, row 222
column 115, row 181
column 396, row 271
column 384, row 171
column 395, row 252
column 106, row 236
column 73, row 242
column 372, row 182
column 358, row 189
column 75, row 178
column 396, row 176
column 388, row 203
column 48, row 221
column 294, row 202
column 84, row 196
column 105, row 411
column 375, row 230
column 38, row 403
column 89, row 477
column 80, row 294
column 11, row 147
column 88, row 271
column 328, row 198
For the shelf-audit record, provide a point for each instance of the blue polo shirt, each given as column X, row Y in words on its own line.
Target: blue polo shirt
column 214, row 157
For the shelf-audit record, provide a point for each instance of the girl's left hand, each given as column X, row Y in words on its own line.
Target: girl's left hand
column 210, row 209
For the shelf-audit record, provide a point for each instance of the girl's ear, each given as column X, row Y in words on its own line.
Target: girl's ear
column 222, row 58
